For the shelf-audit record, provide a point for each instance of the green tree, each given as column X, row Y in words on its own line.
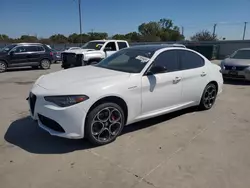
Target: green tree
column 119, row 37
column 27, row 38
column 97, row 35
column 4, row 38
column 204, row 35
column 58, row 38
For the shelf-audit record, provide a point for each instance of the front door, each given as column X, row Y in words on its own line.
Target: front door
column 194, row 78
column 18, row 56
column 162, row 91
column 110, row 48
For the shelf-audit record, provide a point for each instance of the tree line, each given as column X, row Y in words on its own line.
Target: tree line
column 154, row 31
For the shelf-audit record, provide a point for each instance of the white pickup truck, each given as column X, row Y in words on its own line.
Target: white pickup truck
column 91, row 53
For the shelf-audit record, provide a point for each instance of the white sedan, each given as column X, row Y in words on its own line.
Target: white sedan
column 131, row 85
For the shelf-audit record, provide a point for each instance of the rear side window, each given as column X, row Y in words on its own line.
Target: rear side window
column 190, row 60
column 168, row 59
column 40, row 48
column 122, row 45
column 31, row 48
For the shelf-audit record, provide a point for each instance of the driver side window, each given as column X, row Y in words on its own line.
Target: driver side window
column 110, row 46
column 169, row 60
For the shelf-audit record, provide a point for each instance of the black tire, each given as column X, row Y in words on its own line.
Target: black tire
column 208, row 97
column 45, row 64
column 34, row 67
column 3, row 66
column 96, row 130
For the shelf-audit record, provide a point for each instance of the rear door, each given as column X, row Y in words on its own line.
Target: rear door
column 110, row 48
column 194, row 76
column 34, row 54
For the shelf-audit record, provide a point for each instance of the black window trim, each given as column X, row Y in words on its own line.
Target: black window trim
column 178, row 59
column 180, row 63
column 25, row 46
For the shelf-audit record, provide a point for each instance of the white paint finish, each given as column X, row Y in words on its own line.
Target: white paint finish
column 160, row 91
column 89, row 54
column 145, row 96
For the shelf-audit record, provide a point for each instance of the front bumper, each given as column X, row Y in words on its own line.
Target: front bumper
column 67, row 122
column 240, row 75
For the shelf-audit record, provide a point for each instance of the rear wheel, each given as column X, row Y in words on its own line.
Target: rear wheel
column 3, row 66
column 45, row 64
column 208, row 97
column 104, row 123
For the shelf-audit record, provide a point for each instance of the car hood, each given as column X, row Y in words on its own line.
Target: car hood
column 78, row 51
column 86, row 75
column 236, row 62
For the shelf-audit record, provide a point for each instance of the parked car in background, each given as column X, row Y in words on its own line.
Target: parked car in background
column 92, row 52
column 72, row 48
column 26, row 54
column 131, row 85
column 56, row 55
column 237, row 65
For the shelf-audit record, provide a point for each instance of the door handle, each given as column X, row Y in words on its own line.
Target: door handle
column 176, row 80
column 203, row 74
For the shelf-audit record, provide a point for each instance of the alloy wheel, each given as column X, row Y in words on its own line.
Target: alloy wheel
column 2, row 67
column 209, row 96
column 45, row 64
column 106, row 124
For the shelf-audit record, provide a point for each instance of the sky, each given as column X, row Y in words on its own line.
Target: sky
column 46, row 17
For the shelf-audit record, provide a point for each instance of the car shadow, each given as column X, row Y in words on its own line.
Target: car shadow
column 26, row 134
column 236, row 82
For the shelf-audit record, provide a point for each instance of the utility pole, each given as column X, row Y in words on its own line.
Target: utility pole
column 214, row 30
column 182, row 30
column 244, row 31
column 80, row 19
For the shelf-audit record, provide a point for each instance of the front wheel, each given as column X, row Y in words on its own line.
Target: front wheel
column 104, row 123
column 208, row 97
column 3, row 66
column 45, row 64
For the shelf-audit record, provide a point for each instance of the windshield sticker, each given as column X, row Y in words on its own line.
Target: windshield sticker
column 142, row 59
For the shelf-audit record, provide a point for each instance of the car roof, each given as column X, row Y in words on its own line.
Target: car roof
column 156, row 47
column 24, row 43
column 108, row 41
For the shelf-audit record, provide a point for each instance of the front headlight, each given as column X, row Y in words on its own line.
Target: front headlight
column 66, row 100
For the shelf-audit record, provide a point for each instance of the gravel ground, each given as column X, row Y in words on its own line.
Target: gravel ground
column 184, row 149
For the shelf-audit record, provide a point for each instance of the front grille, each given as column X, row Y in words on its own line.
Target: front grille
column 50, row 123
column 71, row 59
column 233, row 76
column 237, row 68
column 32, row 99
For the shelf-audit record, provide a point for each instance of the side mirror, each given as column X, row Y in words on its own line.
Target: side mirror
column 12, row 52
column 156, row 69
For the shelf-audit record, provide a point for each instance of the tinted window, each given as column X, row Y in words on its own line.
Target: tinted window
column 190, row 60
column 241, row 54
column 122, row 45
column 169, row 60
column 31, row 48
column 20, row 49
column 40, row 48
column 110, row 46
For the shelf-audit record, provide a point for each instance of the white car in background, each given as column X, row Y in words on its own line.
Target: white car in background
column 134, row 84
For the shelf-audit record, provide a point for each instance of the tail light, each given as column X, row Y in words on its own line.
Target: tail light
column 51, row 53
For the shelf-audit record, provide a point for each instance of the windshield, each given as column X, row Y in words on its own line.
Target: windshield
column 127, row 60
column 7, row 48
column 241, row 54
column 93, row 45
